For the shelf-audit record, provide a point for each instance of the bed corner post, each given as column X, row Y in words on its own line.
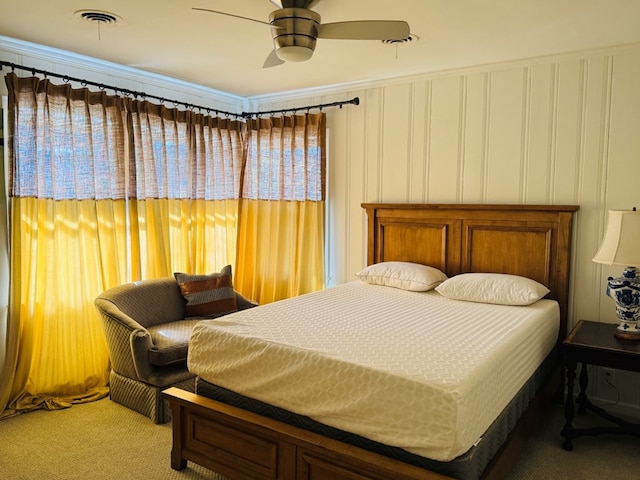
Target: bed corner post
column 371, row 232
column 565, row 223
column 177, row 461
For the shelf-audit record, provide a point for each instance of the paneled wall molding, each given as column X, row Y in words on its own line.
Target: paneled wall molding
column 561, row 129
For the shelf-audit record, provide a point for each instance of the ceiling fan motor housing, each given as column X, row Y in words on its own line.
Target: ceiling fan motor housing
column 294, row 34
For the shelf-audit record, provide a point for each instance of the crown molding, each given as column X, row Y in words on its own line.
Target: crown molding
column 19, row 51
column 497, row 66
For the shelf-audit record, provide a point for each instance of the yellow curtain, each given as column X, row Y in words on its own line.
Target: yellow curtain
column 280, row 251
column 194, row 236
column 63, row 356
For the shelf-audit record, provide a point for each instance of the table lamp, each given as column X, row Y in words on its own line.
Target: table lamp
column 621, row 246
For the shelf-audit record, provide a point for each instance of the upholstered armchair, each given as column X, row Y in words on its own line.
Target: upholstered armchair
column 147, row 325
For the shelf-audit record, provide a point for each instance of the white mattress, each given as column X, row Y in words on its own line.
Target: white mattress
column 408, row 369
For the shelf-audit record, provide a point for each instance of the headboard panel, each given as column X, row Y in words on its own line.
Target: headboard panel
column 533, row 241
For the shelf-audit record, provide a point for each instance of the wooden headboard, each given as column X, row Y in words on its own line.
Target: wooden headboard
column 533, row 241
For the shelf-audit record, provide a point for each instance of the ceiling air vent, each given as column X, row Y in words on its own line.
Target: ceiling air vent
column 97, row 16
column 401, row 41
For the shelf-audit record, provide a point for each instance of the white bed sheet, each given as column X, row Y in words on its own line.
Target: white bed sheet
column 408, row 369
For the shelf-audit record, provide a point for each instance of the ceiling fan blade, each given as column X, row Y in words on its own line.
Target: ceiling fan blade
column 272, row 60
column 365, row 30
column 232, row 15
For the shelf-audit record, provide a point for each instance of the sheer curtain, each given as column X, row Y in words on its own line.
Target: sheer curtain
column 103, row 190
column 281, row 229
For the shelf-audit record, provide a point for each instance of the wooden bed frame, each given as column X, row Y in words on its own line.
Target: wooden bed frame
column 532, row 241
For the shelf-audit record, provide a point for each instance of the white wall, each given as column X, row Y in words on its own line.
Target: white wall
column 556, row 130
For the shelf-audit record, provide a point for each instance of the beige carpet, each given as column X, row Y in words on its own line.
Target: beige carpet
column 103, row 440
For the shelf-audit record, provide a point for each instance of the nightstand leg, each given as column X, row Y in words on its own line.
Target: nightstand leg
column 582, row 396
column 569, row 411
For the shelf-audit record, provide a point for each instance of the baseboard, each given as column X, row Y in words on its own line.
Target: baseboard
column 628, row 412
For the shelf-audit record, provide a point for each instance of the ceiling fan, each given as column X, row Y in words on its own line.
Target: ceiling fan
column 295, row 29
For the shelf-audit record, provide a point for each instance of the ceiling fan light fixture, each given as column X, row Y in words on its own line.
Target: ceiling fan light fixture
column 294, row 53
column 294, row 34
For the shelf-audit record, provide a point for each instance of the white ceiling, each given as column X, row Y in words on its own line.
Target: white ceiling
column 225, row 53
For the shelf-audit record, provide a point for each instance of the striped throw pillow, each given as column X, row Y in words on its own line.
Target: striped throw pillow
column 207, row 296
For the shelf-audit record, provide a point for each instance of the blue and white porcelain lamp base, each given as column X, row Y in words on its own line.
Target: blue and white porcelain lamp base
column 621, row 246
column 625, row 291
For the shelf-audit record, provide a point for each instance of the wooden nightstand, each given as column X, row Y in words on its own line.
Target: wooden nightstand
column 593, row 343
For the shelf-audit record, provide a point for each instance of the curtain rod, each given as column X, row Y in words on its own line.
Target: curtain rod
column 143, row 95
column 353, row 101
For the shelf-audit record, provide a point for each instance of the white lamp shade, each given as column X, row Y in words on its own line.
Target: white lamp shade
column 621, row 242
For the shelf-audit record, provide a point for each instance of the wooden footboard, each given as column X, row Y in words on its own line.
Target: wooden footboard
column 245, row 446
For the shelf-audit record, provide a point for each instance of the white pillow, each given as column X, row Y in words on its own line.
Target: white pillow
column 404, row 275
column 496, row 288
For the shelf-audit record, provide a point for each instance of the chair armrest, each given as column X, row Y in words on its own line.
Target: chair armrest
column 141, row 343
column 128, row 341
